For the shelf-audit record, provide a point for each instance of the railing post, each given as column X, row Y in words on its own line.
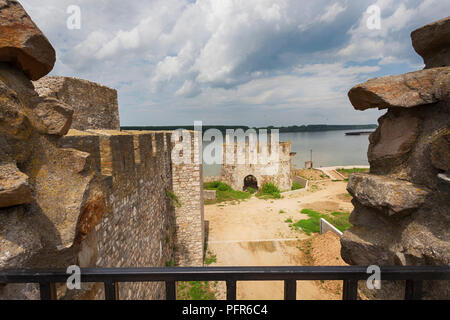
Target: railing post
column 231, row 289
column 350, row 290
column 111, row 290
column 170, row 290
column 290, row 289
column 413, row 289
column 47, row 291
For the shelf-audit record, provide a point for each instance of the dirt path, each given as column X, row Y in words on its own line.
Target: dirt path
column 254, row 233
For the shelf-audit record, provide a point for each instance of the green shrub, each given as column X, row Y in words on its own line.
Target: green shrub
column 224, row 187
column 269, row 191
column 251, row 190
column 270, row 188
column 224, row 192
column 216, row 185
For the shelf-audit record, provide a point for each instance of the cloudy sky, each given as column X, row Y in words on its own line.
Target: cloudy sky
column 252, row 62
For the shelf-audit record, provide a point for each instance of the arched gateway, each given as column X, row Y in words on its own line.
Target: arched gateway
column 250, row 181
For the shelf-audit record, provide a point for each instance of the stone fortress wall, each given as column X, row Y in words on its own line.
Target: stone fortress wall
column 74, row 190
column 273, row 169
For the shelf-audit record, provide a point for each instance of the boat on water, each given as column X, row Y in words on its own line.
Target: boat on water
column 358, row 133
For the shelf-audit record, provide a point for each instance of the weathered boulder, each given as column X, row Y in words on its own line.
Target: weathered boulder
column 432, row 42
column 404, row 91
column 392, row 196
column 14, row 186
column 22, row 43
column 393, row 139
column 19, row 241
column 440, row 151
column 364, row 246
column 56, row 116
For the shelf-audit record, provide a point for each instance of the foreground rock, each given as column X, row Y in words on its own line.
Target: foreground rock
column 401, row 209
column 404, row 91
column 432, row 42
column 56, row 116
column 22, row 43
column 14, row 187
column 390, row 195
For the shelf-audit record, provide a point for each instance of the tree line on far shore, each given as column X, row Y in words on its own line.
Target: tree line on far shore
column 223, row 128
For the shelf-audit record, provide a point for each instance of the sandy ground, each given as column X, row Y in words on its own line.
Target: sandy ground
column 254, row 233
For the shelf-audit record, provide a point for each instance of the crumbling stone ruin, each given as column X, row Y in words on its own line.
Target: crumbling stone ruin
column 257, row 168
column 402, row 208
column 74, row 190
column 86, row 98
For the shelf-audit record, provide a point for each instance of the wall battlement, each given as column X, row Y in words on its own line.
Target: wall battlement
column 141, row 226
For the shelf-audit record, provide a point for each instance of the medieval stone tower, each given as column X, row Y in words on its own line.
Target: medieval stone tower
column 245, row 166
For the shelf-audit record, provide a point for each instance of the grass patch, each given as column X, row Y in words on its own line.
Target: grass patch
column 196, row 290
column 210, row 258
column 269, row 191
column 306, row 248
column 225, row 193
column 171, row 263
column 296, row 186
column 282, row 211
column 288, row 220
column 312, row 225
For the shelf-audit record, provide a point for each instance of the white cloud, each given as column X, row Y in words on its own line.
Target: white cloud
column 178, row 58
column 398, row 20
column 332, row 12
column 188, row 90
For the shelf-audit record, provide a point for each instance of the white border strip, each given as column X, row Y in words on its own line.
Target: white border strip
column 325, row 226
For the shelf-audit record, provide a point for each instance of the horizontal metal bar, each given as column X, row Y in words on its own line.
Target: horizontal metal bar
column 227, row 273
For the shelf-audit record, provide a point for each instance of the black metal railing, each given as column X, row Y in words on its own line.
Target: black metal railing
column 111, row 277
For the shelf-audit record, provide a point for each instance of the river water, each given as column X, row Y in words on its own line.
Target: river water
column 329, row 148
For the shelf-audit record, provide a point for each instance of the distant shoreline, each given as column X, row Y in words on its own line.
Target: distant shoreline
column 285, row 129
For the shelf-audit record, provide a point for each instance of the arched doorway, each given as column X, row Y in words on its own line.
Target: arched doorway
column 250, row 182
